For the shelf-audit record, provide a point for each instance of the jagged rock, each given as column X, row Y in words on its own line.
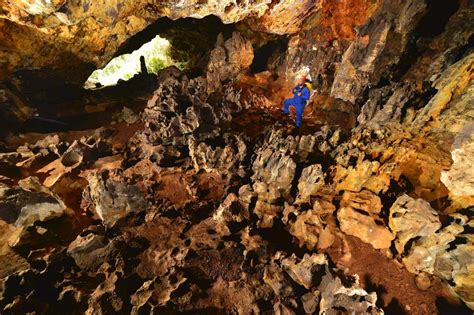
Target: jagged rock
column 364, row 227
column 228, row 59
column 141, row 296
column 281, row 309
column 451, row 106
column 311, row 180
column 307, row 229
column 246, row 194
column 22, row 208
column 336, row 296
column 274, row 168
column 313, row 272
column 225, row 159
column 169, row 114
column 363, row 175
column 385, row 34
column 128, row 116
column 111, row 198
column 310, row 231
column 324, row 206
column 30, row 154
column 307, row 146
column 275, row 278
column 180, row 109
column 448, row 254
column 89, row 251
column 104, row 296
column 78, row 154
column 421, row 256
column 305, row 271
column 10, row 158
column 266, row 212
column 365, row 200
column 411, row 218
column 159, row 291
column 231, row 210
column 310, row 302
column 381, row 108
column 273, row 175
column 460, row 177
column 70, row 160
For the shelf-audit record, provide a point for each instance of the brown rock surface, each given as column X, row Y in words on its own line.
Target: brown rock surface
column 365, row 227
column 411, row 218
column 187, row 191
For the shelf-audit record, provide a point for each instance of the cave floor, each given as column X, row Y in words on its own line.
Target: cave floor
column 395, row 286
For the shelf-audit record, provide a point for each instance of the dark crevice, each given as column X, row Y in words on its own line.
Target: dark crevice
column 183, row 35
column 262, row 55
column 431, row 25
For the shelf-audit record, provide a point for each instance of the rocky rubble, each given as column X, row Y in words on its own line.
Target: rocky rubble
column 189, row 207
column 25, row 207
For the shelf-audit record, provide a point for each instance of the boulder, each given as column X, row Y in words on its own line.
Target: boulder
column 447, row 254
column 310, row 231
column 111, row 198
column 459, row 179
column 305, row 271
column 352, row 298
column 311, row 180
column 365, row 200
column 24, row 207
column 365, row 227
column 411, row 218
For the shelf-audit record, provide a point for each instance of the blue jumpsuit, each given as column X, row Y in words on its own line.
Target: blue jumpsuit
column 298, row 102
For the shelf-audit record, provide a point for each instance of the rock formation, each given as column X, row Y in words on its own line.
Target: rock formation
column 188, row 192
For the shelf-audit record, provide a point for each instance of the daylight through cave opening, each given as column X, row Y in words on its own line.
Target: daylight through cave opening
column 151, row 57
column 184, row 43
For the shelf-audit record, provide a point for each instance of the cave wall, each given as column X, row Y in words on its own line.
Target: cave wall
column 201, row 199
column 51, row 34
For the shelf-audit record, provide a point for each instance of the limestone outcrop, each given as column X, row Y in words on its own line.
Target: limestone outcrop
column 188, row 191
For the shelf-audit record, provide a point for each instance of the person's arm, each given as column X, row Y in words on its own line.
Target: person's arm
column 305, row 94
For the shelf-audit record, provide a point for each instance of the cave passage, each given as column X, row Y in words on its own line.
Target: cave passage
column 171, row 181
column 184, row 43
column 265, row 55
column 156, row 55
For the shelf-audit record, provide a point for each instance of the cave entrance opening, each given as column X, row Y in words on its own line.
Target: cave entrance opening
column 153, row 56
column 184, row 43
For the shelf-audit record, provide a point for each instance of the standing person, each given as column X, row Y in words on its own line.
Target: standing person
column 301, row 96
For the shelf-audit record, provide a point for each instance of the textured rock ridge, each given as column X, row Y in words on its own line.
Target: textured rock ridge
column 189, row 192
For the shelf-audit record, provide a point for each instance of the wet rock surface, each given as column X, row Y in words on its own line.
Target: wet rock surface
column 199, row 197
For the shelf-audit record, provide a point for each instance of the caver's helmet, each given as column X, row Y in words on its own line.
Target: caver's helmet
column 301, row 76
column 304, row 73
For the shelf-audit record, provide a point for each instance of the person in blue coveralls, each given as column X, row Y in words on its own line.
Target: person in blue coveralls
column 301, row 96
